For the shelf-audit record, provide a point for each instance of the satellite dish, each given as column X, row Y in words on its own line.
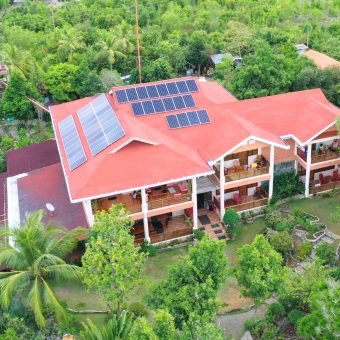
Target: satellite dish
column 50, row 207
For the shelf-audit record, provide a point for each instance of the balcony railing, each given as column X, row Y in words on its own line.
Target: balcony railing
column 234, row 175
column 171, row 234
column 316, row 157
column 247, row 202
column 170, row 200
column 324, row 187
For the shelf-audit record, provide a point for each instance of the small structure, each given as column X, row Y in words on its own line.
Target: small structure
column 217, row 59
column 321, row 60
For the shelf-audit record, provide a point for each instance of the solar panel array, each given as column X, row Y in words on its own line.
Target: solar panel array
column 132, row 94
column 74, row 149
column 100, row 124
column 186, row 119
column 163, row 105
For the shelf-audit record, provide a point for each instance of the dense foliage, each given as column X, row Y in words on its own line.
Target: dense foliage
column 85, row 43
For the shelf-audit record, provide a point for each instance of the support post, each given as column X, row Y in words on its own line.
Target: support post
column 309, row 161
column 222, row 181
column 194, row 199
column 145, row 215
column 88, row 212
column 271, row 171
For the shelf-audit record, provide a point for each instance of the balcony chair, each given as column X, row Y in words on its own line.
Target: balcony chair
column 237, row 199
column 237, row 165
column 259, row 193
column 336, row 176
column 183, row 186
column 323, row 179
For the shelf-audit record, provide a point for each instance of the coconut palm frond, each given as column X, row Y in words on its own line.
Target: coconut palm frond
column 64, row 271
column 11, row 258
column 35, row 301
column 10, row 284
column 91, row 331
column 46, row 260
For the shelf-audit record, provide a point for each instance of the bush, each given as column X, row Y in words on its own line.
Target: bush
column 290, row 302
column 272, row 217
column 285, row 225
column 287, row 184
column 199, row 234
column 275, row 311
column 326, row 253
column 232, row 231
column 148, row 249
column 304, row 250
column 281, row 242
column 138, row 309
column 294, row 316
column 231, row 218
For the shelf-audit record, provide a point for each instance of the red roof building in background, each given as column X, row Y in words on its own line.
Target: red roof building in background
column 221, row 153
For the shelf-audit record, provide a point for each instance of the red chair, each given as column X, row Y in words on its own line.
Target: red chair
column 336, row 176
column 237, row 199
column 322, row 179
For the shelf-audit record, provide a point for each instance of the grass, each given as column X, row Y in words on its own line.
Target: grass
column 156, row 269
column 321, row 207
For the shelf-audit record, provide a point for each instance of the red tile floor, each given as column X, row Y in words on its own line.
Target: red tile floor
column 214, row 225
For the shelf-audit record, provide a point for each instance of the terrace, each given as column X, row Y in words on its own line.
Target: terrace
column 320, row 156
column 245, row 202
column 157, row 197
column 235, row 170
column 325, row 183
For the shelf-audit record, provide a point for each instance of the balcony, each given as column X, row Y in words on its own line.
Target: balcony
column 132, row 205
column 317, row 157
column 167, row 200
column 241, row 203
column 163, row 228
column 329, row 183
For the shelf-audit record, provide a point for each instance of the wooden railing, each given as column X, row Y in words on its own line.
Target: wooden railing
column 251, row 203
column 171, row 234
column 133, row 209
column 237, row 175
column 324, row 187
column 322, row 157
column 170, row 200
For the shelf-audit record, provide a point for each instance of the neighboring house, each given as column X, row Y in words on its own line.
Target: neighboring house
column 187, row 147
column 321, row 60
column 218, row 58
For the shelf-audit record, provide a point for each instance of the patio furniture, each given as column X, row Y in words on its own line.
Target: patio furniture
column 172, row 190
column 259, row 193
column 323, row 179
column 237, row 165
column 336, row 176
column 183, row 186
column 237, row 199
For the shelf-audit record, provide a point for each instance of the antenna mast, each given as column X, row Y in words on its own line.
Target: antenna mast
column 138, row 46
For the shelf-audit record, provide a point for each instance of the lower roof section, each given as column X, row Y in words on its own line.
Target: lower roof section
column 47, row 185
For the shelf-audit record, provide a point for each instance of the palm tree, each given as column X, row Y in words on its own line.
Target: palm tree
column 35, row 256
column 70, row 42
column 109, row 47
column 123, row 34
column 116, row 328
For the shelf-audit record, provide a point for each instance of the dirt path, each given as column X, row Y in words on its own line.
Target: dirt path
column 233, row 324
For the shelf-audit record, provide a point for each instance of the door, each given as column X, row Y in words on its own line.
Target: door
column 200, row 201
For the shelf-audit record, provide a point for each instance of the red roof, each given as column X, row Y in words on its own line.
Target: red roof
column 32, row 157
column 321, row 60
column 150, row 153
column 47, row 185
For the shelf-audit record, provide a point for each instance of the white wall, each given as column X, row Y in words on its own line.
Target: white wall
column 177, row 213
column 325, row 173
column 230, row 195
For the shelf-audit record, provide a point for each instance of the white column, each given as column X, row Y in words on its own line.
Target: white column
column 222, row 181
column 194, row 199
column 145, row 216
column 271, row 171
column 88, row 211
column 309, row 161
column 295, row 161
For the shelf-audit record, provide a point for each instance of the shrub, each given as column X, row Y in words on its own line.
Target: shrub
column 138, row 309
column 281, row 242
column 294, row 316
column 148, row 248
column 290, row 302
column 275, row 311
column 287, row 184
column 199, row 234
column 326, row 253
column 285, row 225
column 232, row 231
column 272, row 217
column 231, row 218
column 304, row 250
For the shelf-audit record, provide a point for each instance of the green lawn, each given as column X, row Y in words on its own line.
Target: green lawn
column 322, row 207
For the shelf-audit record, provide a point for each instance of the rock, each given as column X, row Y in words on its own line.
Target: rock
column 247, row 336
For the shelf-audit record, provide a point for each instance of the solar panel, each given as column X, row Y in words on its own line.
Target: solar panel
column 203, row 116
column 163, row 105
column 192, row 86
column 185, row 119
column 100, row 124
column 73, row 148
column 182, row 86
column 165, row 89
column 121, row 96
column 172, row 121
